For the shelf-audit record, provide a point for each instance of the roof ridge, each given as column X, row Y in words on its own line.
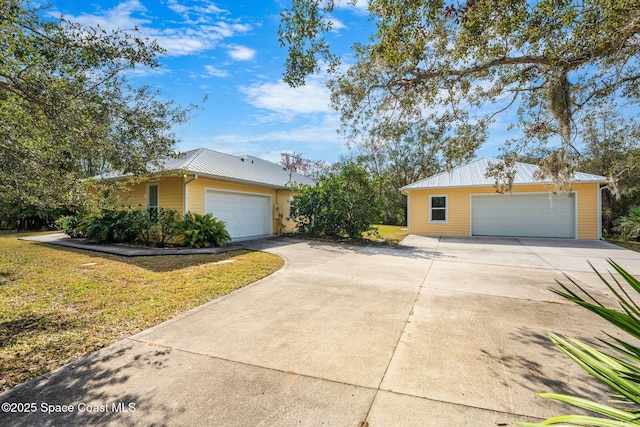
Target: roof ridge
column 192, row 157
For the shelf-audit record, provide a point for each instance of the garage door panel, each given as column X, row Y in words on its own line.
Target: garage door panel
column 244, row 214
column 530, row 215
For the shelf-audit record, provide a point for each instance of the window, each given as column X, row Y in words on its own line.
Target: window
column 292, row 206
column 437, row 208
column 152, row 201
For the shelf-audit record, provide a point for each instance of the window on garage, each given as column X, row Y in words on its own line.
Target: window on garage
column 438, row 209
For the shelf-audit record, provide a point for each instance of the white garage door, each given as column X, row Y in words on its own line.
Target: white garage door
column 245, row 215
column 523, row 215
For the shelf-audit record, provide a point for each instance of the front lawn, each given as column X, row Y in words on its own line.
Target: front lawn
column 57, row 304
column 392, row 234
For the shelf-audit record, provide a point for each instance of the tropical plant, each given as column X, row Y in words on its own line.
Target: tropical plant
column 619, row 369
column 113, row 225
column 198, row 231
column 71, row 225
column 159, row 229
column 629, row 226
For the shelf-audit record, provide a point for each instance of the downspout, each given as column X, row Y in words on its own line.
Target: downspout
column 185, row 192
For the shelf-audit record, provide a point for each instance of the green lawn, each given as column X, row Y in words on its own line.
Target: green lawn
column 57, row 304
column 391, row 234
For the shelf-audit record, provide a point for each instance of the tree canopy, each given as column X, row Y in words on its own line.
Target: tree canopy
column 436, row 66
column 67, row 109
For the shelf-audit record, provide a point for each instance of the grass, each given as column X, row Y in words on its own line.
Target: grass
column 392, row 234
column 58, row 304
column 634, row 246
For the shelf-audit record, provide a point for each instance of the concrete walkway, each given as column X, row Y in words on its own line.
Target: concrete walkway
column 61, row 239
column 438, row 332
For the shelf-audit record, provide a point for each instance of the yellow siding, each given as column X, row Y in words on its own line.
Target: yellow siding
column 280, row 199
column 588, row 211
column 134, row 197
column 459, row 209
column 169, row 194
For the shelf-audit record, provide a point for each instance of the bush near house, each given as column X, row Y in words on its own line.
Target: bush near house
column 198, row 231
column 135, row 226
column 340, row 205
column 629, row 226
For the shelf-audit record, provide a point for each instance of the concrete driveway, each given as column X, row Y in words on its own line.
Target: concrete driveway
column 439, row 332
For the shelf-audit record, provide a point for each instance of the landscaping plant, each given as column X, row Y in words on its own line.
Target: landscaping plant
column 629, row 226
column 114, row 225
column 159, row 229
column 198, row 231
column 618, row 369
column 339, row 205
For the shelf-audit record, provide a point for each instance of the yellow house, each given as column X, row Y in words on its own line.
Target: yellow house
column 251, row 195
column 464, row 202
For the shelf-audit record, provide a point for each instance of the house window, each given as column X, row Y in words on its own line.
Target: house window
column 292, row 206
column 153, row 201
column 437, row 208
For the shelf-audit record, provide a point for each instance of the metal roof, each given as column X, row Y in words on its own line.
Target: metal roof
column 246, row 169
column 213, row 164
column 474, row 175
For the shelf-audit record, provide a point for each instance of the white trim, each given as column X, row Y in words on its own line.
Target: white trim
column 408, row 213
column 526, row 193
column 446, row 209
column 600, row 212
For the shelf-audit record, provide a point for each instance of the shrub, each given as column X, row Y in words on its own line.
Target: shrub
column 629, row 226
column 342, row 205
column 71, row 225
column 159, row 229
column 619, row 369
column 114, row 226
column 198, row 231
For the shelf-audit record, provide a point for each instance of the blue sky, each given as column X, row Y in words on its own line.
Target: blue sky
column 229, row 50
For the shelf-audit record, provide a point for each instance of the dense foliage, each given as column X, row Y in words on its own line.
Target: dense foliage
column 134, row 226
column 67, row 109
column 343, row 204
column 619, row 369
column 629, row 225
column 201, row 231
column 451, row 67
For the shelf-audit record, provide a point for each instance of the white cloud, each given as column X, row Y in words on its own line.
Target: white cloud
column 203, row 27
column 195, row 14
column 285, row 100
column 119, row 17
column 336, row 24
column 361, row 6
column 216, row 72
column 241, row 53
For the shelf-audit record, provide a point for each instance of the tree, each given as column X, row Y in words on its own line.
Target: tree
column 313, row 169
column 612, row 149
column 67, row 109
column 434, row 63
column 340, row 205
column 398, row 163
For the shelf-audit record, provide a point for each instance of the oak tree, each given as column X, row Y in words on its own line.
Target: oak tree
column 446, row 63
column 67, row 110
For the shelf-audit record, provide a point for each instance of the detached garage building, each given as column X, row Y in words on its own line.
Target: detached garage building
column 464, row 202
column 250, row 195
